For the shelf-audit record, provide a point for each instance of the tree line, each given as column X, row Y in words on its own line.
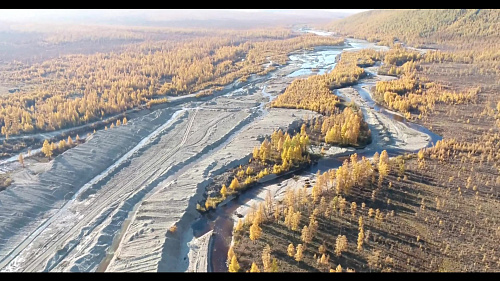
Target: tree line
column 77, row 89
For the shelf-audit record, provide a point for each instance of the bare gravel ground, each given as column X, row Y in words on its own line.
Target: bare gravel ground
column 85, row 235
column 75, row 220
column 199, row 249
column 34, row 192
column 175, row 203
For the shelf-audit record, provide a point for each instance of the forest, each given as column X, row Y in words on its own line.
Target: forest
column 314, row 92
column 458, row 29
column 434, row 210
column 280, row 154
column 383, row 215
column 397, row 170
column 78, row 89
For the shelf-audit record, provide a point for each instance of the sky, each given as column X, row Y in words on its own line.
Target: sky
column 86, row 14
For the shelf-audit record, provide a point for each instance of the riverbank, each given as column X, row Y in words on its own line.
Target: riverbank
column 387, row 134
column 164, row 178
column 199, row 249
column 145, row 250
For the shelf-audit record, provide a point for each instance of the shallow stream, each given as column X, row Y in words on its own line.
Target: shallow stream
column 317, row 61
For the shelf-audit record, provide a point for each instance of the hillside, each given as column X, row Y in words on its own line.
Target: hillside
column 424, row 27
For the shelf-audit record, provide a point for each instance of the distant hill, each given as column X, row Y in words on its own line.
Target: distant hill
column 424, row 27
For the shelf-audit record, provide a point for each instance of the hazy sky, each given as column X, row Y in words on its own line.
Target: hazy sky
column 77, row 14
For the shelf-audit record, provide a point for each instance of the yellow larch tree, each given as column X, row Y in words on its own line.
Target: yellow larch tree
column 266, row 258
column 254, row 268
column 265, row 150
column 290, row 250
column 342, row 205
column 230, row 254
column 274, row 266
column 322, row 249
column 255, row 231
column 383, row 165
column 235, row 184
column 223, row 191
column 53, row 146
column 353, row 208
column 324, row 259
column 255, row 153
column 249, row 171
column 306, row 236
column 47, row 149
column 239, row 226
column 371, row 212
column 361, row 237
column 299, row 255
column 277, row 212
column 295, row 221
column 340, row 245
column 376, row 158
column 21, row 159
column 62, row 145
column 234, row 265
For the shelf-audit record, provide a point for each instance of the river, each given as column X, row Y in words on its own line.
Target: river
column 320, row 60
